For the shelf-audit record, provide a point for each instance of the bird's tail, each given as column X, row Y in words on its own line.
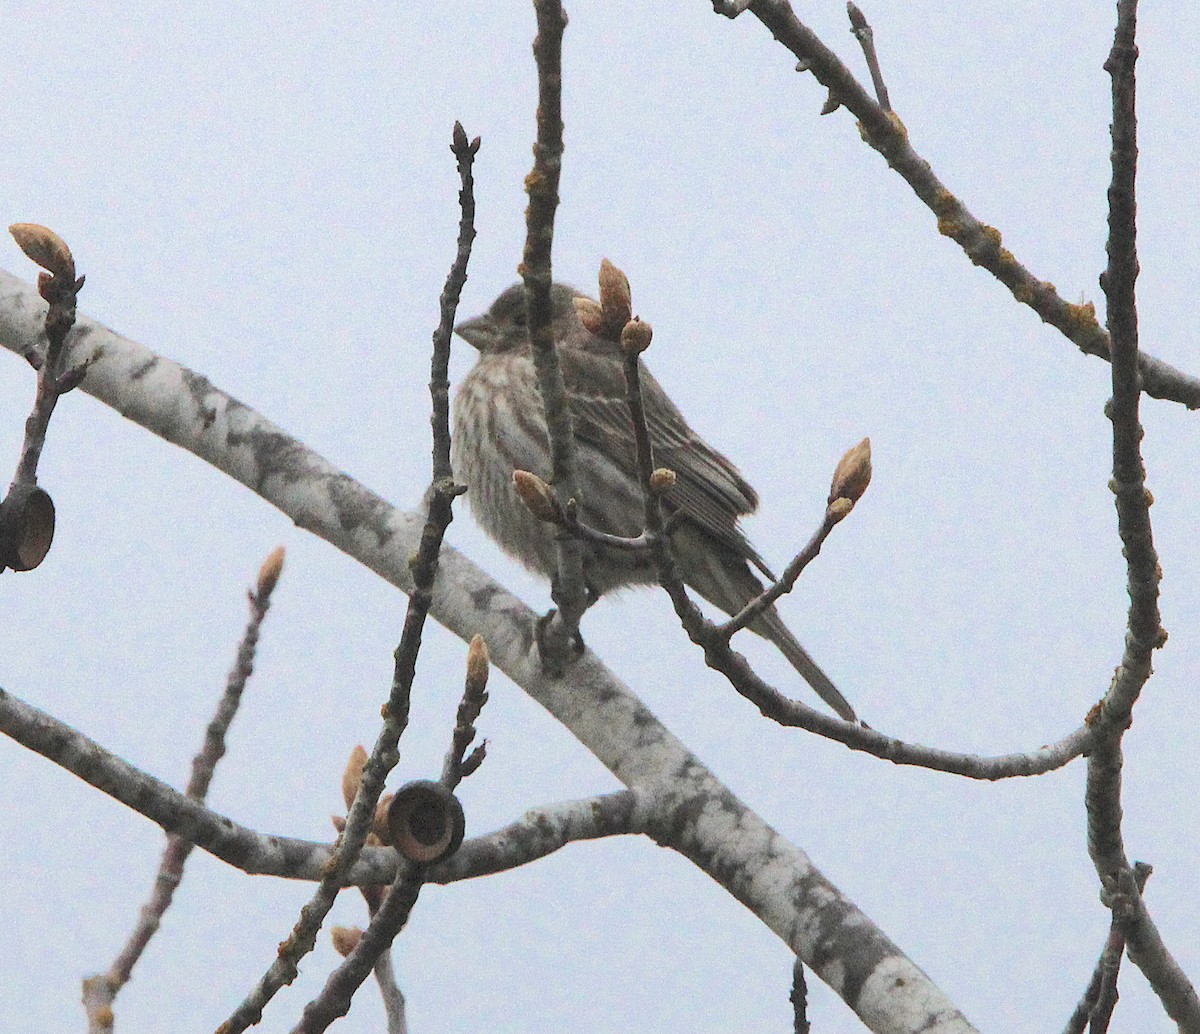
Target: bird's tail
column 770, row 626
column 726, row 581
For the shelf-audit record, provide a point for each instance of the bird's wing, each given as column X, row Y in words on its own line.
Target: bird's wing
column 708, row 488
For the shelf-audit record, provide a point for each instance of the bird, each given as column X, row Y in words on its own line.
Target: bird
column 499, row 427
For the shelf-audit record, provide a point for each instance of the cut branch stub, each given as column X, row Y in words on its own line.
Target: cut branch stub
column 426, row 822
column 26, row 527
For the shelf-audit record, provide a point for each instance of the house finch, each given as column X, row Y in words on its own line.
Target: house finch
column 499, row 427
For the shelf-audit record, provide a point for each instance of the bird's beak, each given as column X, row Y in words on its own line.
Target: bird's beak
column 479, row 332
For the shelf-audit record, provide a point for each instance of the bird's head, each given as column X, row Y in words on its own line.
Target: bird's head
column 505, row 326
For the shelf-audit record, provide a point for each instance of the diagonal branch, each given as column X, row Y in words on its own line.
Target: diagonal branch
column 384, row 754
column 982, row 243
column 186, row 409
column 101, row 990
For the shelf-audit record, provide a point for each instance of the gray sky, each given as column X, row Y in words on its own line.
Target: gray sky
column 267, row 196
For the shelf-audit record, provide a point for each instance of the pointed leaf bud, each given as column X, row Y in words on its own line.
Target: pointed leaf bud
column 537, row 497
column 478, row 663
column 853, row 473
column 268, row 574
column 616, row 298
column 45, row 247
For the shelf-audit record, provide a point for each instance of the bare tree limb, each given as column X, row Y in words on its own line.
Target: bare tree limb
column 359, row 820
column 540, row 833
column 885, row 132
column 1144, row 632
column 865, row 35
column 101, row 990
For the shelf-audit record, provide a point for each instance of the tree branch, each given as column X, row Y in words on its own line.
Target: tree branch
column 568, row 590
column 384, row 755
column 982, row 243
column 101, row 990
column 1144, row 632
column 593, row 704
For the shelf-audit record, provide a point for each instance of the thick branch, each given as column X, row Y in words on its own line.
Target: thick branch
column 593, row 704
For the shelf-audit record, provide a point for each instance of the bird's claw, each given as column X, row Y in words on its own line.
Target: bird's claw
column 556, row 649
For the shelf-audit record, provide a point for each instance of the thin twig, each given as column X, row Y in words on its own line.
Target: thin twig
column 393, row 997
column 27, row 511
column 865, row 35
column 439, row 381
column 1129, row 473
column 786, row 581
column 334, row 1000
column 100, row 991
column 384, row 756
column 568, row 590
column 652, row 508
column 394, row 1004
column 60, row 288
column 720, row 656
column 1101, row 995
column 389, row 917
column 799, row 1000
column 455, row 769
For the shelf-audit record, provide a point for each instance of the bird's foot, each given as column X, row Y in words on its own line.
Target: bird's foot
column 556, row 647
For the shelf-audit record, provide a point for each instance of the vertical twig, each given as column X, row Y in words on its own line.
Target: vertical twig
column 1129, row 474
column 59, row 288
column 567, row 591
column 100, row 991
column 799, row 1000
column 866, row 38
column 1144, row 632
column 27, row 511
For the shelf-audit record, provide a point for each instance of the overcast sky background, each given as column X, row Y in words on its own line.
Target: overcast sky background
column 266, row 195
